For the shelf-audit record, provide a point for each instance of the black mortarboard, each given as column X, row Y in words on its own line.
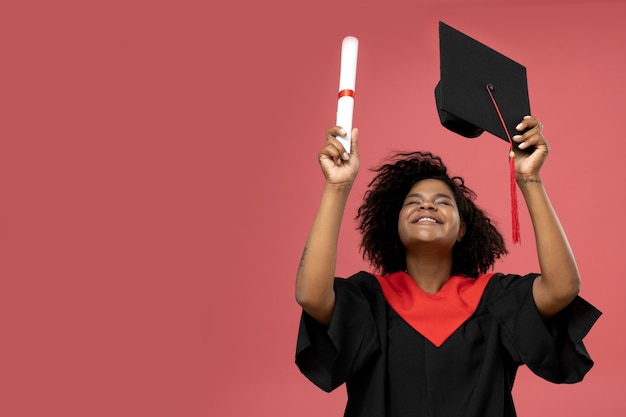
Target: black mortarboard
column 481, row 89
column 468, row 67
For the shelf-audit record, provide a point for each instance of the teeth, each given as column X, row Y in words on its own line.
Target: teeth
column 427, row 219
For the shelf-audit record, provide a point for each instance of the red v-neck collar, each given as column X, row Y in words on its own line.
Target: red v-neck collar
column 434, row 316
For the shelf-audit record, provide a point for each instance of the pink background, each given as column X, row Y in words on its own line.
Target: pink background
column 158, row 177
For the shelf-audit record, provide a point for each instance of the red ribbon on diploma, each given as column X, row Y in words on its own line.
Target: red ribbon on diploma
column 344, row 93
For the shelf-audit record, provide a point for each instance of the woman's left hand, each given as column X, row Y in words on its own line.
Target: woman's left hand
column 528, row 164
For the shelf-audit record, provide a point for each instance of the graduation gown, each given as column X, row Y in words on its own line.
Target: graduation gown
column 391, row 370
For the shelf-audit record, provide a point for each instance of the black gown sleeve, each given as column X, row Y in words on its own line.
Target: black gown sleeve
column 552, row 349
column 329, row 355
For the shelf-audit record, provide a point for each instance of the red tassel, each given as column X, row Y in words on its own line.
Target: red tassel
column 514, row 208
column 517, row 238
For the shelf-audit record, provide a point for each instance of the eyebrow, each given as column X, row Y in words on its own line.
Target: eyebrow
column 437, row 195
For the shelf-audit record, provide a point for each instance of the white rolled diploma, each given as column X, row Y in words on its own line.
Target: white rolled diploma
column 347, row 83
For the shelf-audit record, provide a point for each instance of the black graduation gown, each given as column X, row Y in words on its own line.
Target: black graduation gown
column 391, row 370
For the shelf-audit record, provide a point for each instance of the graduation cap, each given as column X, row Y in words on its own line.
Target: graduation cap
column 481, row 90
column 471, row 74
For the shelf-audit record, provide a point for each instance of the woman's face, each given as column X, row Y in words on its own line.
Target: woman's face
column 429, row 214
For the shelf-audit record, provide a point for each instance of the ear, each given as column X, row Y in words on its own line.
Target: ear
column 461, row 232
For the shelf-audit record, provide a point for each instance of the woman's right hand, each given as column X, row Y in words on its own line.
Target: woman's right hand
column 338, row 167
column 315, row 277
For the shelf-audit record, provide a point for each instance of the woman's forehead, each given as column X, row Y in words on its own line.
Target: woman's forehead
column 431, row 186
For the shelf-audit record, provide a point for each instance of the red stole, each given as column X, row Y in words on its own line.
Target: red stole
column 434, row 316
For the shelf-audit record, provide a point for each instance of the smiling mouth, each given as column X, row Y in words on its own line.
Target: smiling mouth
column 427, row 220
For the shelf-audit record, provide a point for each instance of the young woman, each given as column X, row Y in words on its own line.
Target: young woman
column 431, row 332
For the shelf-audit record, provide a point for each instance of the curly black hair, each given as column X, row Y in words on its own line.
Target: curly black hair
column 377, row 217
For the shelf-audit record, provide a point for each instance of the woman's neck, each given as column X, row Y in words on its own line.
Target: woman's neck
column 430, row 272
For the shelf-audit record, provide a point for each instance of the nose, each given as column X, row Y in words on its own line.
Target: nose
column 427, row 205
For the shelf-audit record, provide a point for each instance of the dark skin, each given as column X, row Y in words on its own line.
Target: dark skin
column 429, row 244
column 429, row 225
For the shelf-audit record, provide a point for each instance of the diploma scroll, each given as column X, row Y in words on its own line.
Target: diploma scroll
column 347, row 83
